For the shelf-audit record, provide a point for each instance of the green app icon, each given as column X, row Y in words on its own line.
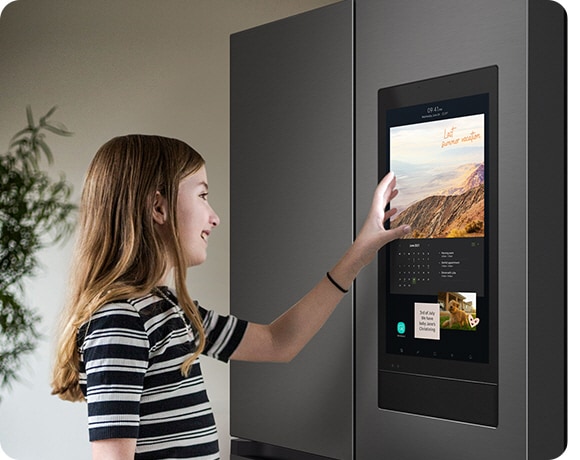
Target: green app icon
column 401, row 327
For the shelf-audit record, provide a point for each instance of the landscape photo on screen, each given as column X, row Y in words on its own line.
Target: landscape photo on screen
column 440, row 168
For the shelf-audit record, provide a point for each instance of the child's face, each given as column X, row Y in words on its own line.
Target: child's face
column 195, row 217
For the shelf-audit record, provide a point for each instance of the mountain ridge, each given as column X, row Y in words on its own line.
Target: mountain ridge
column 447, row 216
column 473, row 177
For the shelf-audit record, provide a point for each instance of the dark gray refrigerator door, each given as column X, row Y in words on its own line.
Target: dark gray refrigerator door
column 424, row 40
column 291, row 219
column 403, row 41
column 303, row 170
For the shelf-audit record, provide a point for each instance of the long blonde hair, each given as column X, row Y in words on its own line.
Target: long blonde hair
column 120, row 253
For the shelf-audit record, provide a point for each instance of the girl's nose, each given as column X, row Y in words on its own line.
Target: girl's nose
column 214, row 219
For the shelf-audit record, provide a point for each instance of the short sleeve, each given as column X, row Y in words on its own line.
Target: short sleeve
column 223, row 334
column 114, row 355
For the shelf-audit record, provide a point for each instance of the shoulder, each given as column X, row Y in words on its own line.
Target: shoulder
column 125, row 318
column 113, row 314
column 134, row 311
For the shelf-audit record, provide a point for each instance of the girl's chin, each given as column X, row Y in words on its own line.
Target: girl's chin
column 198, row 260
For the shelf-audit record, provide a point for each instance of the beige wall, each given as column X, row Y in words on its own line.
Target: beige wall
column 118, row 67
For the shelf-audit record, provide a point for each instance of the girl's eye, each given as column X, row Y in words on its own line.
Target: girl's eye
column 203, row 196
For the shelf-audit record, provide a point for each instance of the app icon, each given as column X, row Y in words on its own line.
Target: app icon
column 401, row 327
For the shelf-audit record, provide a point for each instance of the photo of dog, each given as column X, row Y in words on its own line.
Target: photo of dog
column 456, row 316
column 458, row 310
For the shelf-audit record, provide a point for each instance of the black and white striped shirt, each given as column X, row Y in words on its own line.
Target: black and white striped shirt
column 131, row 354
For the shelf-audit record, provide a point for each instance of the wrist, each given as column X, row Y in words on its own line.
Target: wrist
column 335, row 283
column 343, row 274
column 359, row 255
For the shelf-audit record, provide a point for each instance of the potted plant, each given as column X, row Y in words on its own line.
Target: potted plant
column 35, row 212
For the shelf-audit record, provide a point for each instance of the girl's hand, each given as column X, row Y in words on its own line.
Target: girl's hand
column 373, row 235
column 282, row 340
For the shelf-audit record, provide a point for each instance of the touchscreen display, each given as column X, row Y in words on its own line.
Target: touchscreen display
column 437, row 303
column 437, row 286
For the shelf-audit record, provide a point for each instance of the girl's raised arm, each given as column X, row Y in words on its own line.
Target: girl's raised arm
column 284, row 338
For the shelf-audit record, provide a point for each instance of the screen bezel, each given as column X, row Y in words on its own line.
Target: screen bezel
column 464, row 84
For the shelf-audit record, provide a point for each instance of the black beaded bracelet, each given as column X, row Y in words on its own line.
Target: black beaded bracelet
column 338, row 286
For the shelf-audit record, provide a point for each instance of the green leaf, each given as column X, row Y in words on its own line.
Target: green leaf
column 20, row 133
column 46, row 151
column 61, row 131
column 29, row 116
column 50, row 112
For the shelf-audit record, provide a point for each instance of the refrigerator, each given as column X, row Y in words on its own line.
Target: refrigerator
column 323, row 104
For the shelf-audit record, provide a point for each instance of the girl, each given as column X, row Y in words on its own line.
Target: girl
column 131, row 335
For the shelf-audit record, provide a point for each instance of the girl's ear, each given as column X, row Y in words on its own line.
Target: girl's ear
column 159, row 209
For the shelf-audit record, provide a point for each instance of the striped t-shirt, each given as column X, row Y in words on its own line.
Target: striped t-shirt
column 131, row 354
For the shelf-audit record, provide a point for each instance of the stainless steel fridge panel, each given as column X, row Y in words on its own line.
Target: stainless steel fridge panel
column 402, row 41
column 293, row 201
column 291, row 219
